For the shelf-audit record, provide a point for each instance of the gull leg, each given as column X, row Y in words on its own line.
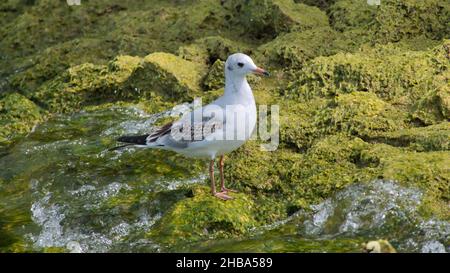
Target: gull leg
column 220, row 195
column 222, row 180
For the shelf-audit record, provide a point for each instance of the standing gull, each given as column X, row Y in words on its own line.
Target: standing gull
column 211, row 131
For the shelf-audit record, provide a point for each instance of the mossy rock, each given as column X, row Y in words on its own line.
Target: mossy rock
column 126, row 77
column 421, row 139
column 364, row 114
column 296, row 48
column 173, row 76
column 215, row 78
column 209, row 49
column 18, row 115
column 434, row 105
column 299, row 122
column 350, row 14
column 393, row 20
column 396, row 75
column 268, row 18
column 51, row 62
column 206, row 216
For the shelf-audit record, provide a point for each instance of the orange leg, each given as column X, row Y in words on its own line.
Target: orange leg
column 220, row 195
column 222, row 180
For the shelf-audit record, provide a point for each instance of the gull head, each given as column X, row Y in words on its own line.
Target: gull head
column 239, row 65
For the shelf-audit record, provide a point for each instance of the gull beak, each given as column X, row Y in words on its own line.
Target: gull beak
column 260, row 71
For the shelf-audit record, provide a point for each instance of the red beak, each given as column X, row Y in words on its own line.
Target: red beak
column 260, row 71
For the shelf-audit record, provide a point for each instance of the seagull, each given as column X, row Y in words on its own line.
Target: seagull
column 215, row 129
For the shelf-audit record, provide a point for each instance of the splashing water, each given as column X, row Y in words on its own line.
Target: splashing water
column 82, row 198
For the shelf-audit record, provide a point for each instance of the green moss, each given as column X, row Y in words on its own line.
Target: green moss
column 208, row 49
column 18, row 115
column 296, row 48
column 351, row 14
column 204, row 216
column 393, row 20
column 215, row 77
column 125, row 77
column 364, row 114
column 395, row 75
column 421, row 139
column 173, row 74
column 271, row 17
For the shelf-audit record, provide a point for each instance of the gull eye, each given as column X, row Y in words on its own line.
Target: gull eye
column 241, row 65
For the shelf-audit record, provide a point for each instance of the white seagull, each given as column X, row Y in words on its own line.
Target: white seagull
column 215, row 129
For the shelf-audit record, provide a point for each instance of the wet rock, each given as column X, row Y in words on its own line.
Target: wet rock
column 205, row 216
column 18, row 115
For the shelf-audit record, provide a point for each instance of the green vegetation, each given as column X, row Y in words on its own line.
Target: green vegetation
column 364, row 93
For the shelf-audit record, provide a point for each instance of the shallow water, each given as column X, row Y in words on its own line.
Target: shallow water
column 62, row 189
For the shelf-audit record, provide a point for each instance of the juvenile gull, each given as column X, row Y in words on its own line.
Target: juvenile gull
column 205, row 132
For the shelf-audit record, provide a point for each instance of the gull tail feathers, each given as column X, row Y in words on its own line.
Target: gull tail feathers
column 137, row 140
column 130, row 141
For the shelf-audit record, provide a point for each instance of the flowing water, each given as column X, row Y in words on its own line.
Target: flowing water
column 61, row 188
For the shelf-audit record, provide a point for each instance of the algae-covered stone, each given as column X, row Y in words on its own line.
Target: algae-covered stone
column 209, row 49
column 18, row 115
column 270, row 17
column 204, row 216
column 171, row 75
column 393, row 20
column 296, row 48
column 364, row 114
column 430, row 138
column 397, row 75
column 215, row 77
column 126, row 77
column 349, row 14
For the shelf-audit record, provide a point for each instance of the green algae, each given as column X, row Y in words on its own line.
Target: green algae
column 392, row 20
column 367, row 97
column 209, row 49
column 215, row 77
column 269, row 17
column 296, row 48
column 18, row 115
column 126, row 77
column 204, row 215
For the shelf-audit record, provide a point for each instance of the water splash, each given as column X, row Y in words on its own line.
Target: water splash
column 380, row 209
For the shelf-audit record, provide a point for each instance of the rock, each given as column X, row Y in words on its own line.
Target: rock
column 205, row 216
column 126, row 77
column 171, row 75
column 400, row 78
column 363, row 114
column 378, row 22
column 272, row 17
column 421, row 139
column 296, row 48
column 209, row 49
column 215, row 77
column 18, row 115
